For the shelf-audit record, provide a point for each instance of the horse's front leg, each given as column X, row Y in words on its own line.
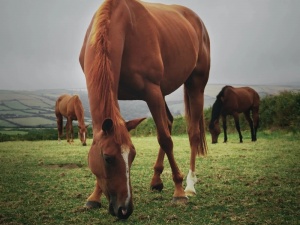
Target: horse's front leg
column 158, row 109
column 224, row 120
column 68, row 130
column 237, row 125
column 71, row 131
column 93, row 200
column 255, row 116
column 156, row 183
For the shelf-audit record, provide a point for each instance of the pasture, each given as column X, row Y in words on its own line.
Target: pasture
column 46, row 182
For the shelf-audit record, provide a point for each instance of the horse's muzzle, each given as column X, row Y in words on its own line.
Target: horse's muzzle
column 121, row 212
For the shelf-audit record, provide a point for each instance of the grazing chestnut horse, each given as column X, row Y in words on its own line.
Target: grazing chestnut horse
column 142, row 51
column 70, row 107
column 232, row 101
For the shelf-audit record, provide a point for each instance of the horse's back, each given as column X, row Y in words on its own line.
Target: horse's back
column 171, row 44
column 238, row 99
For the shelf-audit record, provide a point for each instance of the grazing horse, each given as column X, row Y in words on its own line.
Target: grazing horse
column 232, row 101
column 70, row 107
column 134, row 50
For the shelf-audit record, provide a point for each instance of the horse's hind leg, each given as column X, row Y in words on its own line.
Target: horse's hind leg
column 194, row 103
column 248, row 118
column 59, row 120
column 156, row 182
column 158, row 110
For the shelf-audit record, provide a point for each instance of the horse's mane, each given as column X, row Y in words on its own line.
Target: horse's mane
column 101, row 77
column 217, row 107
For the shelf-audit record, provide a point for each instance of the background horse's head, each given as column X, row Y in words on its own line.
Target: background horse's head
column 82, row 134
column 110, row 162
column 214, row 129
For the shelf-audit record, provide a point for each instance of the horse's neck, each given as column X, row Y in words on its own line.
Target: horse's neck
column 79, row 112
column 217, row 109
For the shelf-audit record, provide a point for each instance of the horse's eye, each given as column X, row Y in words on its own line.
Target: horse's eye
column 108, row 159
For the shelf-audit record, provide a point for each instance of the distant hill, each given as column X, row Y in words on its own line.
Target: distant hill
column 36, row 108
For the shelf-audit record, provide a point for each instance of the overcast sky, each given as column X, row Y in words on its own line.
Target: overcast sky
column 252, row 42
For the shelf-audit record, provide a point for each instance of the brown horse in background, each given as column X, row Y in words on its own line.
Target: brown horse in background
column 70, row 107
column 232, row 101
column 135, row 50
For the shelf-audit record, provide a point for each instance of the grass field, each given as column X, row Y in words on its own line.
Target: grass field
column 45, row 182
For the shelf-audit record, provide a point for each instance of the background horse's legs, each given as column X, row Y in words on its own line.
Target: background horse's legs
column 224, row 127
column 248, row 118
column 156, row 182
column 194, row 101
column 237, row 125
column 59, row 120
column 158, row 110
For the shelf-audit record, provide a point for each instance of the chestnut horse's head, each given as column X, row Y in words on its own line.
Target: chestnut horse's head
column 82, row 134
column 214, row 129
column 110, row 162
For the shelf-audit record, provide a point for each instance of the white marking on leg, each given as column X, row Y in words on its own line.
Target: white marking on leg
column 125, row 154
column 190, row 181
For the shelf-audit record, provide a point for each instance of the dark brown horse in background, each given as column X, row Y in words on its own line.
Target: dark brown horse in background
column 142, row 51
column 70, row 107
column 232, row 101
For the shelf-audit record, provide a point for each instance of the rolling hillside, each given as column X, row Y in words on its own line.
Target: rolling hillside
column 36, row 108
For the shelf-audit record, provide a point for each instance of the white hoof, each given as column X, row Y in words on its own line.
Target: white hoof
column 191, row 180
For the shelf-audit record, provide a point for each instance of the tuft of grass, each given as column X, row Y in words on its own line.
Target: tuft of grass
column 46, row 182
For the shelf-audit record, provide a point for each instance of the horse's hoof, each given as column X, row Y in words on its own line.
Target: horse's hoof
column 92, row 205
column 180, row 200
column 190, row 193
column 157, row 187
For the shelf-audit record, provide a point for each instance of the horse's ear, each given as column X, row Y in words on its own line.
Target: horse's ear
column 107, row 125
column 132, row 124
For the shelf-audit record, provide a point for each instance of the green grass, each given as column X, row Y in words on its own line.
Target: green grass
column 44, row 182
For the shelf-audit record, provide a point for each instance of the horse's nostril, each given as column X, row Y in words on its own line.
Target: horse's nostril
column 123, row 213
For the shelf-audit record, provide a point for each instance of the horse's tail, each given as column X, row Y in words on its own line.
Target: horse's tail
column 202, row 146
column 59, row 118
